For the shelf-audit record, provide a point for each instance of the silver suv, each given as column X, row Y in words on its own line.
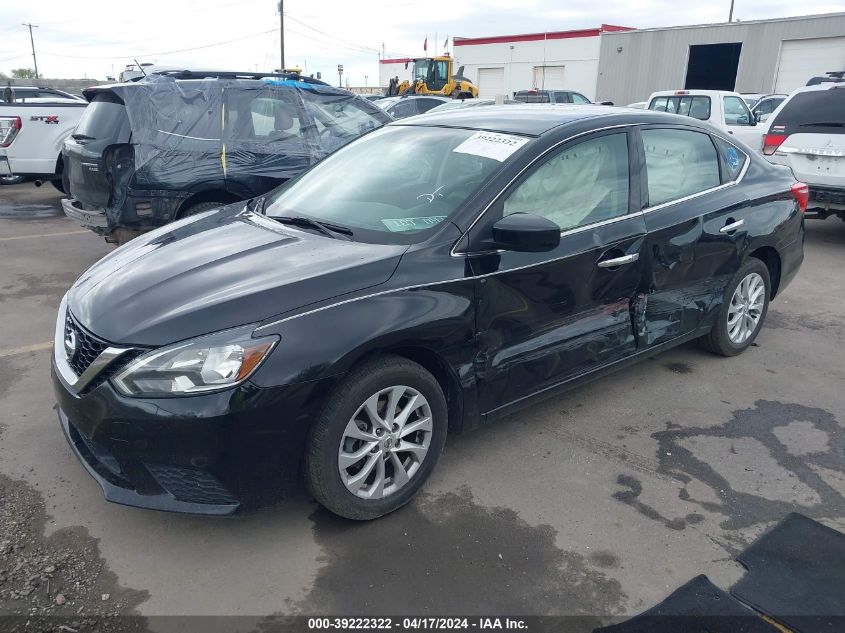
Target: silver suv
column 807, row 133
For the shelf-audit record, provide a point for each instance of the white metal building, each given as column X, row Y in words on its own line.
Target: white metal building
column 390, row 68
column 555, row 59
column 507, row 63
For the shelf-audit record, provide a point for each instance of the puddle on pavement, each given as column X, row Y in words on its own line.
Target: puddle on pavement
column 445, row 554
column 764, row 463
column 29, row 211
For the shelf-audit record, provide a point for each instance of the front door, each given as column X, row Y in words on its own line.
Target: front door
column 544, row 318
column 741, row 123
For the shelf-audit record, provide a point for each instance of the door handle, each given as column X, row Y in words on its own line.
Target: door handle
column 619, row 261
column 733, row 226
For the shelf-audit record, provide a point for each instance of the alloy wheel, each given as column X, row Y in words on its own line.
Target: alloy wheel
column 385, row 442
column 746, row 308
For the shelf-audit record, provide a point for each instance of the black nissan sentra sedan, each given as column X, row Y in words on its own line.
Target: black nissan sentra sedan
column 427, row 278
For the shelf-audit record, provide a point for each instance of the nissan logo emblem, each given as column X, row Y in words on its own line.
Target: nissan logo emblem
column 70, row 344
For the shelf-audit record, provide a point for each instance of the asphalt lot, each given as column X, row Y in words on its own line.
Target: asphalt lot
column 598, row 502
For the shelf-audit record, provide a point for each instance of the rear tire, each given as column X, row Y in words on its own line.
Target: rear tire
column 354, row 464
column 743, row 310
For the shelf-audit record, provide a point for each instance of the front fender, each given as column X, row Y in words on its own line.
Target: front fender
column 437, row 320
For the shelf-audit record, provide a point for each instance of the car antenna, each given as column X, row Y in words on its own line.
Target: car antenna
column 141, row 68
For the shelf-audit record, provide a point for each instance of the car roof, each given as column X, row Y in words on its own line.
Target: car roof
column 692, row 92
column 826, row 85
column 535, row 119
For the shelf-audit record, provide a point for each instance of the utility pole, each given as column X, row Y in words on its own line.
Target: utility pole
column 731, row 13
column 32, row 42
column 282, row 34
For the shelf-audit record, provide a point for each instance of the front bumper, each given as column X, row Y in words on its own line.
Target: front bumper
column 205, row 454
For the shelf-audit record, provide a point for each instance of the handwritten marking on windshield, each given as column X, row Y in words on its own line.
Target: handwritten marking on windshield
column 431, row 196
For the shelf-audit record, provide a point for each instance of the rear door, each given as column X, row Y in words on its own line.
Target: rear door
column 695, row 219
column 544, row 318
column 266, row 138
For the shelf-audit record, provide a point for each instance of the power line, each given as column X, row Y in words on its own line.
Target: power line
column 352, row 44
column 183, row 50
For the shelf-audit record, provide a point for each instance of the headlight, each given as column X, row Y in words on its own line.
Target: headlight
column 203, row 364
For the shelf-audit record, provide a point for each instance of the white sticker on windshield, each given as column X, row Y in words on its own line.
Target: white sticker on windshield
column 398, row 225
column 491, row 145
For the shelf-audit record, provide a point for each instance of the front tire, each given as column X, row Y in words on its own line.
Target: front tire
column 377, row 439
column 743, row 310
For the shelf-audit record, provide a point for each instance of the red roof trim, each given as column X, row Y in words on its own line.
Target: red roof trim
column 534, row 37
column 397, row 60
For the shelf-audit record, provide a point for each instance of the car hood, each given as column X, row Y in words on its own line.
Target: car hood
column 219, row 270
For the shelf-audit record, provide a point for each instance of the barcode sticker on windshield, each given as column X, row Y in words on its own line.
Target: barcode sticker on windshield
column 491, row 145
column 397, row 225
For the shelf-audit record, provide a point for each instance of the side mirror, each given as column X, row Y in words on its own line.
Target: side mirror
column 526, row 233
column 607, row 103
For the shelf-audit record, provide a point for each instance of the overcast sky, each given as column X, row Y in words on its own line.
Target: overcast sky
column 96, row 38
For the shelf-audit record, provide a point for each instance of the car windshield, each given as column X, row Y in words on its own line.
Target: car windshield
column 395, row 184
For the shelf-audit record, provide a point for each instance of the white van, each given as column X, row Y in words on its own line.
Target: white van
column 726, row 110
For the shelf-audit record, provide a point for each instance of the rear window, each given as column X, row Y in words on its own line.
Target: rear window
column 526, row 96
column 103, row 118
column 697, row 107
column 818, row 111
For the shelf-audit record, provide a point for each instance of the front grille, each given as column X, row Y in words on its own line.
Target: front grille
column 192, row 486
column 832, row 196
column 88, row 348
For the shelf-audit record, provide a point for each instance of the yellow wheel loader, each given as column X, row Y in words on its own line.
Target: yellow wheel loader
column 433, row 76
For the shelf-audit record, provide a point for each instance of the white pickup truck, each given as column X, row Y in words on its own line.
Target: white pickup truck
column 726, row 110
column 33, row 127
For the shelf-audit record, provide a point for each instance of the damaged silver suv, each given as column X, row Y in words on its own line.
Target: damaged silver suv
column 180, row 142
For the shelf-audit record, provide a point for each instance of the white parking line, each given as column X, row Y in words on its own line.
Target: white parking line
column 29, row 237
column 25, row 349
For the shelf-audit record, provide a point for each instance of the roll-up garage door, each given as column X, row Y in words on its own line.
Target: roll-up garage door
column 802, row 59
column 549, row 77
column 491, row 82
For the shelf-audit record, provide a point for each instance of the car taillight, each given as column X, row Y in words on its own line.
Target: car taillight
column 801, row 193
column 9, row 128
column 771, row 142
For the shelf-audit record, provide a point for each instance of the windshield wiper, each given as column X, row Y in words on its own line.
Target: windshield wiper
column 326, row 228
column 824, row 124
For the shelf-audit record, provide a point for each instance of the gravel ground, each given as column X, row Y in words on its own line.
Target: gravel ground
column 60, row 582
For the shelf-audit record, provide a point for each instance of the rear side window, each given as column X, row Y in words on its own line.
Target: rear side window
column 424, row 105
column 817, row 111
column 679, row 163
column 733, row 160
column 263, row 116
column 526, row 96
column 403, row 109
column 696, row 107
